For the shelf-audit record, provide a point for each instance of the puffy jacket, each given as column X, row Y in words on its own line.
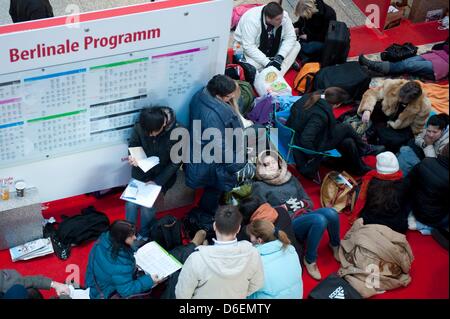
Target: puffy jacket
column 248, row 33
column 282, row 272
column 429, row 190
column 225, row 271
column 316, row 28
column 212, row 113
column 163, row 174
column 113, row 275
column 11, row 277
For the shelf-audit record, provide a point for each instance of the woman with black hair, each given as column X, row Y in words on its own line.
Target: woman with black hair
column 316, row 129
column 112, row 266
column 152, row 133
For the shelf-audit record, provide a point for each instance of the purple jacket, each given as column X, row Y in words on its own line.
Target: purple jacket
column 439, row 59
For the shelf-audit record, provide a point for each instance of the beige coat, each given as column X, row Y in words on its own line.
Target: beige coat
column 232, row 271
column 368, row 250
column 415, row 114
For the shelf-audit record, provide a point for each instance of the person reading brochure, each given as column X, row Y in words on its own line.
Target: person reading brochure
column 152, row 133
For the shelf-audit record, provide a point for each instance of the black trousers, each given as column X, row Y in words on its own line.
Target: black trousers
column 209, row 202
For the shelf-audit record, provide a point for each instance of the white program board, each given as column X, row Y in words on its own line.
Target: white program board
column 68, row 103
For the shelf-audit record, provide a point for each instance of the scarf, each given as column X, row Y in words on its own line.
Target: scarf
column 281, row 176
column 361, row 201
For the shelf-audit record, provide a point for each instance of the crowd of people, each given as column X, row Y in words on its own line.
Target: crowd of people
column 260, row 244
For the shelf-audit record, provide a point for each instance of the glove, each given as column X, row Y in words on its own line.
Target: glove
column 276, row 62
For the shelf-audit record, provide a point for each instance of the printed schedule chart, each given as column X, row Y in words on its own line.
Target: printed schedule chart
column 69, row 108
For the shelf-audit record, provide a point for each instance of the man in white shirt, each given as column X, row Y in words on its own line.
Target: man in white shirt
column 267, row 37
column 229, row 269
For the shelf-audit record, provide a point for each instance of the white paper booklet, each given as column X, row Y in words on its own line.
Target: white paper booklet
column 140, row 193
column 144, row 162
column 76, row 293
column 153, row 259
column 32, row 249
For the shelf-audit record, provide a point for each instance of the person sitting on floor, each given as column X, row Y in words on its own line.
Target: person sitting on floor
column 282, row 269
column 316, row 129
column 253, row 208
column 429, row 143
column 10, row 278
column 112, row 267
column 152, row 133
column 267, row 37
column 214, row 107
column 312, row 27
column 428, row 189
column 398, row 111
column 229, row 269
column 431, row 65
column 277, row 186
column 383, row 196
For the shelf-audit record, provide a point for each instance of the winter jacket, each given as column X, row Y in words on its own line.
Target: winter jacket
column 366, row 249
column 316, row 28
column 248, row 33
column 26, row 10
column 397, row 218
column 314, row 129
column 439, row 59
column 436, row 148
column 429, row 185
column 10, row 277
column 226, row 271
column 414, row 115
column 212, row 113
column 113, row 275
column 282, row 272
column 163, row 174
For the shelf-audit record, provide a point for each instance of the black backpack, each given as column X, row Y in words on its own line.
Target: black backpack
column 334, row 287
column 399, row 52
column 167, row 232
column 198, row 219
column 75, row 230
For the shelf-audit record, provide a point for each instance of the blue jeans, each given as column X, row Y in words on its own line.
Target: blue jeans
column 415, row 65
column 309, row 228
column 311, row 50
column 147, row 217
column 407, row 159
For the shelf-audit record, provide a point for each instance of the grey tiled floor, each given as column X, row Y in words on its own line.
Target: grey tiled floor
column 345, row 9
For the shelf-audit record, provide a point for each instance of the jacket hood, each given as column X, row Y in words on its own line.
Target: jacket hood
column 227, row 260
column 265, row 212
column 271, row 247
column 268, row 174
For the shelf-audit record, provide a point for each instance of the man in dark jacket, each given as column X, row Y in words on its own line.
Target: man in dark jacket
column 210, row 109
column 26, row 10
column 312, row 27
column 429, row 190
column 152, row 133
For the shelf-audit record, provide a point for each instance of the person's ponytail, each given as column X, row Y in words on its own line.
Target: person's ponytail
column 283, row 237
column 312, row 99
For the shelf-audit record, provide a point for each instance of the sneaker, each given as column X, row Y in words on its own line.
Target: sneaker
column 312, row 269
column 335, row 250
column 199, row 238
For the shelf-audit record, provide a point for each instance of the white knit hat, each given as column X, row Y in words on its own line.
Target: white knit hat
column 387, row 163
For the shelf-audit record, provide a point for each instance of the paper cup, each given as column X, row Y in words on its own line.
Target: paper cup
column 20, row 188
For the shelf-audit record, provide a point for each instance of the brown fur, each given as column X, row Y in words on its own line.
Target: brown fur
column 415, row 114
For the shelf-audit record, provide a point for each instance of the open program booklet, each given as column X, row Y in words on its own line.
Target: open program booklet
column 144, row 162
column 141, row 193
column 155, row 260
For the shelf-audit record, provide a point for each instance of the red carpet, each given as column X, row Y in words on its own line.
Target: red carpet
column 430, row 269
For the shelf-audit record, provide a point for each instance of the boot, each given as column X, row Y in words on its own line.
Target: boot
column 312, row 269
column 380, row 67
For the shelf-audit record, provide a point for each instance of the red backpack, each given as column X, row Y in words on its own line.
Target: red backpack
column 239, row 11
